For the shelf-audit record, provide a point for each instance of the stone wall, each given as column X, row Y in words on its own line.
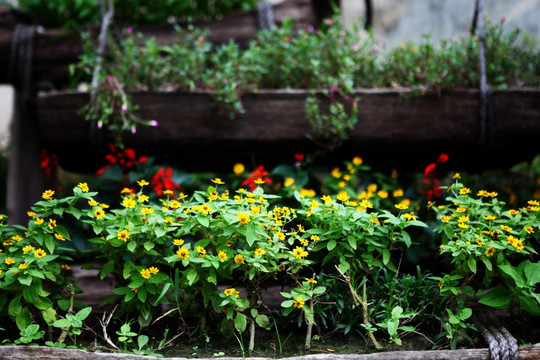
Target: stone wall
column 397, row 21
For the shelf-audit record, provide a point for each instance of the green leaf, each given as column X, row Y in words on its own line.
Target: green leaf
column 471, row 262
column 50, row 243
column 392, row 327
column 532, row 273
column 331, row 245
column 406, row 238
column 131, row 246
column 529, row 305
column 250, row 233
column 203, row 220
column 83, row 313
column 163, row 292
column 106, row 269
column 43, row 303
column 240, row 322
column 142, row 340
column 148, row 245
column 25, row 280
column 23, row 319
column 192, row 276
column 497, row 298
column 15, row 307
column 386, row 256
column 465, row 313
column 262, row 320
column 49, row 315
column 61, row 323
column 514, row 273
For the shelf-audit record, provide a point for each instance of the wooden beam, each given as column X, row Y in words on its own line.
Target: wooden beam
column 391, row 128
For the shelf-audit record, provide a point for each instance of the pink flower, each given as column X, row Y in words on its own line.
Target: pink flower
column 377, row 47
column 154, row 123
column 129, row 30
column 124, row 108
column 328, row 21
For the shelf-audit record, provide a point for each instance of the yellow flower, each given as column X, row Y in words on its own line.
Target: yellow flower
column 288, row 182
column 490, row 217
column 38, row 221
column 154, row 270
column 336, row 173
column 93, row 203
column 463, row 226
column 239, row 259
column 48, row 194
column 401, row 206
column 129, row 202
column 357, row 160
column 52, row 224
column 310, row 280
column 16, row 238
column 382, row 194
column 126, row 190
column 168, row 220
column 529, row 229
column 479, row 241
column 409, row 216
column 303, row 241
column 243, row 218
column 461, row 209
column 217, row 181
column 65, row 267
column 178, row 242
column 83, row 187
column 533, row 202
column 30, row 214
column 299, row 253
column 238, row 169
column 342, row 196
column 260, row 252
column 314, row 238
column 259, row 181
column 307, row 192
column 201, row 250
column 231, row 291
column 142, row 182
column 147, row 211
column 143, row 198
column 327, row 199
column 280, row 235
column 342, row 184
column 39, row 253
column 463, row 219
column 397, row 193
column 146, row 273
column 375, row 221
column 9, row 261
column 457, row 176
column 506, row 228
column 490, row 251
column 23, row 266
column 105, row 206
column 122, row 235
column 514, row 212
column 182, row 196
column 483, row 193
column 255, row 210
column 298, row 302
column 464, row 191
column 28, row 248
column 59, row 237
column 222, row 256
column 182, row 253
column 99, row 214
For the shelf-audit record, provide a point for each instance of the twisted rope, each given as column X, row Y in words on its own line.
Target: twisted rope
column 486, row 101
column 265, row 15
column 502, row 345
column 20, row 60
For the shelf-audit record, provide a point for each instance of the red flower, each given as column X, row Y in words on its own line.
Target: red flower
column 258, row 174
column 48, row 162
column 163, row 180
column 125, row 158
column 430, row 183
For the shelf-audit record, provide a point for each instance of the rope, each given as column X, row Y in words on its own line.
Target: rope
column 265, row 15
column 20, row 61
column 502, row 345
column 486, row 101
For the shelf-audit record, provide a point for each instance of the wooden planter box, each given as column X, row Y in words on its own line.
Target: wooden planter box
column 392, row 129
column 32, row 352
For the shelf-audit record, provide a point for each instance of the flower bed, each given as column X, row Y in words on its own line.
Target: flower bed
column 338, row 253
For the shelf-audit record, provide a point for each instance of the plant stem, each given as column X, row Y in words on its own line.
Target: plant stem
column 363, row 303
column 307, row 344
column 251, row 335
column 65, row 330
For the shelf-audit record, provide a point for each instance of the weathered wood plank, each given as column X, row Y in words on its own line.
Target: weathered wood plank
column 531, row 352
column 391, row 127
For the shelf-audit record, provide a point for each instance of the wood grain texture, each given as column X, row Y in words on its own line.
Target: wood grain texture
column 391, row 126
